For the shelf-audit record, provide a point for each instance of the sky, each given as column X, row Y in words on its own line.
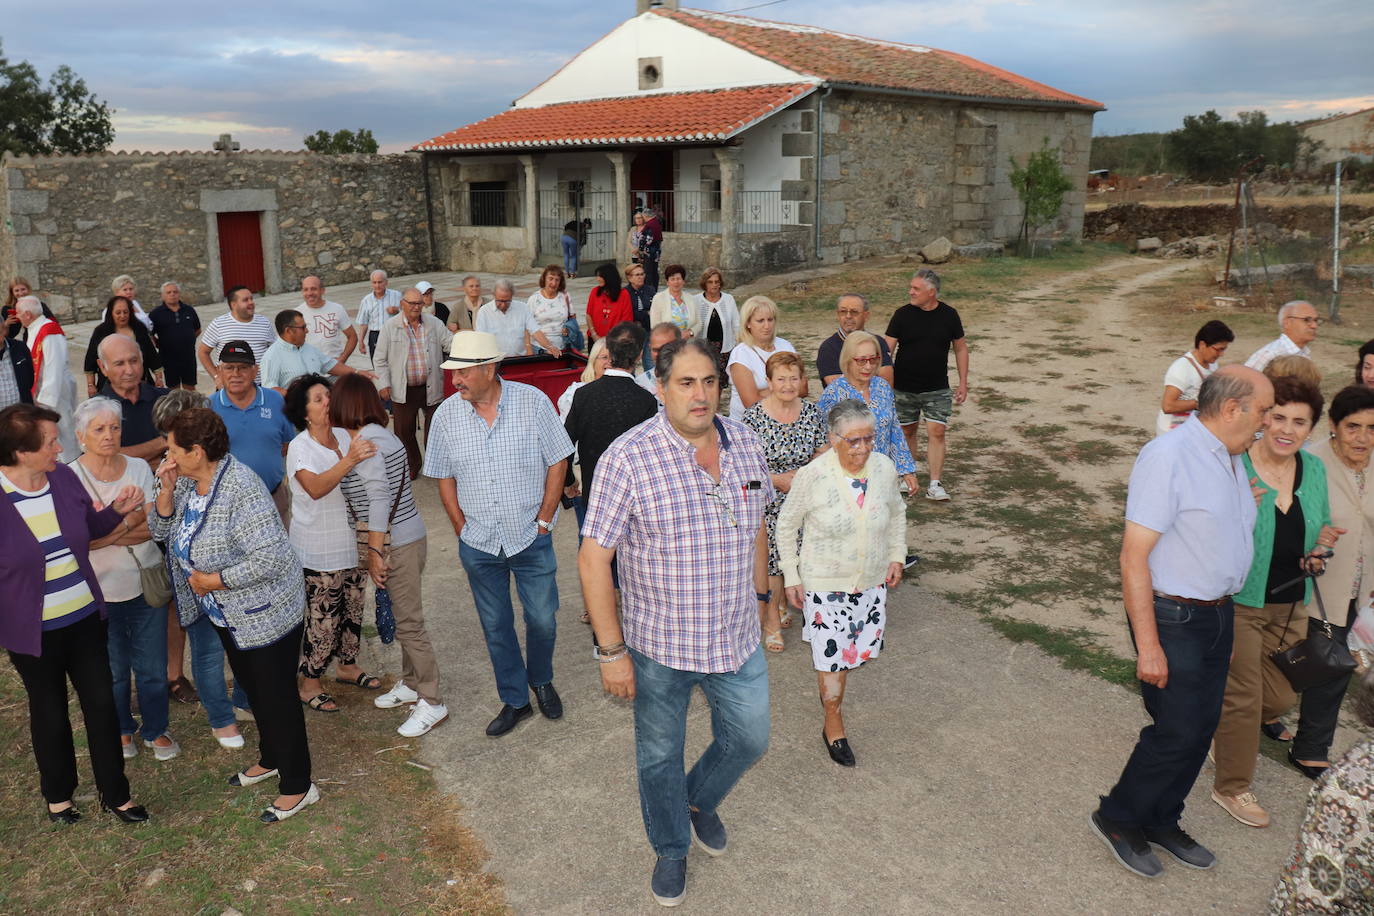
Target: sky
column 179, row 75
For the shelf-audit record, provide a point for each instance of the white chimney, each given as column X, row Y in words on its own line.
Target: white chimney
column 643, row 6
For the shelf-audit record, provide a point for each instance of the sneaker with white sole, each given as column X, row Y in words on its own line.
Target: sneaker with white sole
column 164, row 753
column 423, row 717
column 1243, row 807
column 398, row 695
column 936, row 492
column 130, row 750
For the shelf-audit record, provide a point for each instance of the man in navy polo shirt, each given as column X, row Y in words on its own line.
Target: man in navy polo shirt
column 121, row 362
column 255, row 418
column 175, row 329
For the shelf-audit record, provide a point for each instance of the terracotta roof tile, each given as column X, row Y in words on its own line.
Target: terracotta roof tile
column 662, row 118
column 841, row 58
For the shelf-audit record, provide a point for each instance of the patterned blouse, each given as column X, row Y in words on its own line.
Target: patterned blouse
column 887, row 431
column 1332, row 868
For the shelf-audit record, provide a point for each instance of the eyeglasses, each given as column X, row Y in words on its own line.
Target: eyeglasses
column 500, row 300
column 1312, row 320
column 413, row 301
column 719, row 497
column 864, row 360
column 858, row 441
column 295, row 327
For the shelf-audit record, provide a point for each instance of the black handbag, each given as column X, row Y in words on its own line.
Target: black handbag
column 1318, row 659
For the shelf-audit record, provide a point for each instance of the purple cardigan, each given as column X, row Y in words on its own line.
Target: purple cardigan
column 21, row 559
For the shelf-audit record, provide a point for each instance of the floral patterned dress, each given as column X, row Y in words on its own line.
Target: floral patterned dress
column 1332, row 868
column 786, row 446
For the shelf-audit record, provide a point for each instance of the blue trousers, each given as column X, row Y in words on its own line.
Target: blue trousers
column 1164, row 765
column 534, row 569
column 207, row 667
column 739, row 728
column 570, row 248
column 137, row 641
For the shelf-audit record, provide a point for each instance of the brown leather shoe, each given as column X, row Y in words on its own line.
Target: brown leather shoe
column 182, row 691
column 1243, row 807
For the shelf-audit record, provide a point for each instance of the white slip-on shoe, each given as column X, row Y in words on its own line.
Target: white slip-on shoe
column 272, row 813
column 164, row 753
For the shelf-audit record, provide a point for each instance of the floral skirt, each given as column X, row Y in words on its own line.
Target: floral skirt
column 845, row 629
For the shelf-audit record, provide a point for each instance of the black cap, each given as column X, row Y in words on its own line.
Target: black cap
column 238, row 351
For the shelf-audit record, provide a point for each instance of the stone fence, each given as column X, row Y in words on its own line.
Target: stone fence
column 70, row 224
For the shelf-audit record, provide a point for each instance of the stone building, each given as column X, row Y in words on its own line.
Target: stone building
column 763, row 144
column 70, row 224
column 1346, row 136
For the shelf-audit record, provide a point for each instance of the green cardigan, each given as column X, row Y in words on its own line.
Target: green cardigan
column 1316, row 512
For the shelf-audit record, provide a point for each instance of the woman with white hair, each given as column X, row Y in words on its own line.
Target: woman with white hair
column 598, row 361
column 123, row 286
column 748, row 365
column 852, row 524
column 137, row 637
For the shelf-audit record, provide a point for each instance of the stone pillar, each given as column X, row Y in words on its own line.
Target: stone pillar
column 730, row 177
column 621, row 213
column 531, row 164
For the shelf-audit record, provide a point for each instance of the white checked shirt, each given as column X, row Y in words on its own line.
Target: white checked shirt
column 499, row 469
column 1273, row 350
column 685, row 543
column 373, row 312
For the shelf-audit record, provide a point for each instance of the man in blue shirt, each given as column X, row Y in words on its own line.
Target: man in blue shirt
column 255, row 417
column 1190, row 513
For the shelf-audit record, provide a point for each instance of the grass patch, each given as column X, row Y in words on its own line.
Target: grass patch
column 992, row 399
column 382, row 839
column 1096, row 451
column 1074, row 647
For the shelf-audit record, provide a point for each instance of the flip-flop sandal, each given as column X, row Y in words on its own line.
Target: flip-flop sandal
column 785, row 618
column 365, row 681
column 317, row 703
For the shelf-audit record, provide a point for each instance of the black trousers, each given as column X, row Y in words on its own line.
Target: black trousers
column 404, row 416
column 268, row 675
column 1320, row 706
column 78, row 652
column 372, row 345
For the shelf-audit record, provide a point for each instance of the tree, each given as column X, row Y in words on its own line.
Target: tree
column 341, row 141
column 64, row 117
column 1206, row 148
column 1041, row 185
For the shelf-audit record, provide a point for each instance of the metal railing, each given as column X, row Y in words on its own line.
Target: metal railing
column 699, row 212
column 592, row 214
column 494, row 208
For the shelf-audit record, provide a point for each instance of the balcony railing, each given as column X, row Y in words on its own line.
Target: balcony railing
column 699, row 212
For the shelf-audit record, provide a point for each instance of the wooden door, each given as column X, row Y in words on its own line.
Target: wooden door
column 240, row 251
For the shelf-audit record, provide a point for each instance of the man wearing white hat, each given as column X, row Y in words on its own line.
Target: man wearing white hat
column 499, row 454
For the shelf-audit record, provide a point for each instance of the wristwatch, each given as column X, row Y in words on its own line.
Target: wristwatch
column 543, row 525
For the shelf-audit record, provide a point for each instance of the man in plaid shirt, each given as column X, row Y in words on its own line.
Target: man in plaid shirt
column 679, row 499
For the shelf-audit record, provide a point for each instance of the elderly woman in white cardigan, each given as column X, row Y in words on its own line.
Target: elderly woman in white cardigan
column 853, row 540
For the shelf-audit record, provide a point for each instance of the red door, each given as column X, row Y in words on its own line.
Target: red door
column 240, row 251
column 651, row 183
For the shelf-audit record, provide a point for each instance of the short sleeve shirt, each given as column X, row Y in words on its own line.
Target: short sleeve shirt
column 175, row 331
column 136, row 416
column 258, row 334
column 257, row 433
column 320, row 529
column 284, row 362
column 499, row 469
column 1187, row 487
column 756, row 361
column 923, row 343
column 326, row 327
column 509, row 327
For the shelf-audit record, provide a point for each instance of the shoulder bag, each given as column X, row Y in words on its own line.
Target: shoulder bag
column 153, row 580
column 386, row 620
column 1318, row 659
column 572, row 330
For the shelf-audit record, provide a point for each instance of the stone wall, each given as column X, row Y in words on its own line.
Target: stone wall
column 72, row 223
column 1020, row 132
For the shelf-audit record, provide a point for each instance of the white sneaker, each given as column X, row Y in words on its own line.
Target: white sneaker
column 422, row 718
column 164, row 753
column 936, row 492
column 398, row 695
column 130, row 750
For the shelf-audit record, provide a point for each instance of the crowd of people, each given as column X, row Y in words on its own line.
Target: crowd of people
column 247, row 522
column 1236, row 523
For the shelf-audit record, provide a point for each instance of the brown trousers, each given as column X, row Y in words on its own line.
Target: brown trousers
column 404, row 417
column 1256, row 691
column 419, row 667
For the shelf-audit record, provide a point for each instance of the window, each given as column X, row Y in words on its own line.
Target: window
column 710, row 187
column 651, row 73
column 487, row 203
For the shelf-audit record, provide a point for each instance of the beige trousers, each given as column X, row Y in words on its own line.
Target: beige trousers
column 1255, row 690
column 419, row 667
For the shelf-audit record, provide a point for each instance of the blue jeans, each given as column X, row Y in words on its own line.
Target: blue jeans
column 207, row 667
column 1164, row 765
column 137, row 642
column 489, row 574
column 739, row 726
column 570, row 247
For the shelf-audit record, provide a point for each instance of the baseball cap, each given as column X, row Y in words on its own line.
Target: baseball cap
column 424, row 286
column 238, row 351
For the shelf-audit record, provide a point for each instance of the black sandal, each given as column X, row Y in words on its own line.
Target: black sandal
column 365, row 681
column 1310, row 772
column 317, row 703
column 1275, row 731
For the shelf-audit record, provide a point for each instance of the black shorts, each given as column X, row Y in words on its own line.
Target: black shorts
column 178, row 371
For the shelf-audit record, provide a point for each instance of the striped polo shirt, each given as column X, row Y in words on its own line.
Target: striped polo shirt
column 67, row 596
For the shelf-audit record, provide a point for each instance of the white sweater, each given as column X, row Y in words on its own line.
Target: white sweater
column 844, row 548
